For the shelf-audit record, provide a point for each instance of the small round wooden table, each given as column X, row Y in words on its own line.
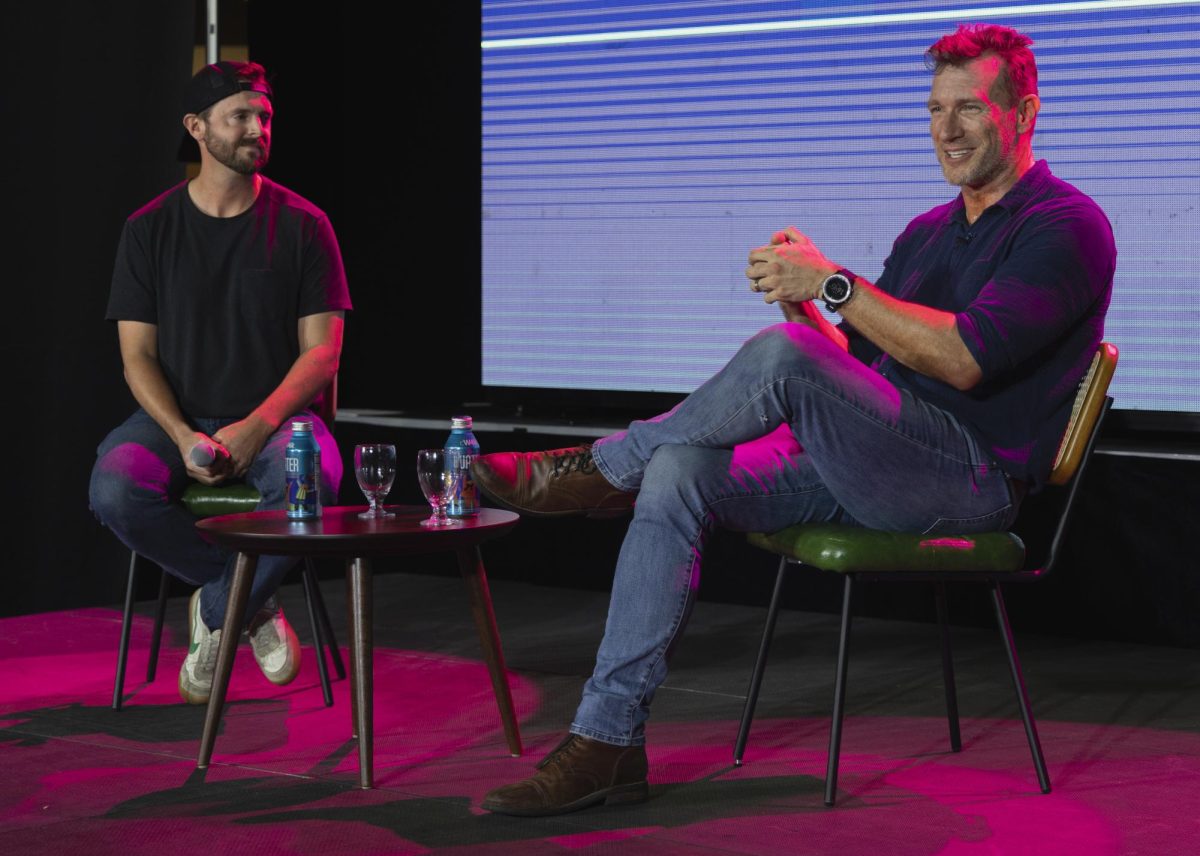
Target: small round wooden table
column 340, row 532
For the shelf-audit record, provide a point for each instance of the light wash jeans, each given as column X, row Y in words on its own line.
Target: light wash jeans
column 134, row 491
column 792, row 430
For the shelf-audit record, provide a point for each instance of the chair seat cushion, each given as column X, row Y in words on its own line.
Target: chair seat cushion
column 211, row 501
column 832, row 547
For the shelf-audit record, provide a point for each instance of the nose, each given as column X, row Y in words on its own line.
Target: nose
column 947, row 127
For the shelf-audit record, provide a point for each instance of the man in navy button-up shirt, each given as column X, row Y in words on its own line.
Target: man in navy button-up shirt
column 963, row 360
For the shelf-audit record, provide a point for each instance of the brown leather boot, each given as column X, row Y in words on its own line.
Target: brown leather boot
column 579, row 772
column 556, row 483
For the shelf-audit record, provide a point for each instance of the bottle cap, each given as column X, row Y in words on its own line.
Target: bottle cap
column 460, row 422
column 302, row 425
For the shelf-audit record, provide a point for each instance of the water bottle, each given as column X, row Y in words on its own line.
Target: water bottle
column 465, row 502
column 302, row 465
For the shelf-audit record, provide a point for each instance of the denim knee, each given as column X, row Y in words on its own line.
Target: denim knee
column 674, row 479
column 786, row 343
column 124, row 480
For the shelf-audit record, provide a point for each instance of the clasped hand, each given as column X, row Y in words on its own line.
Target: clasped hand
column 789, row 269
column 236, row 446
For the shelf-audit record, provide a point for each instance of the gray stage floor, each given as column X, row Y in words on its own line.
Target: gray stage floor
column 1118, row 724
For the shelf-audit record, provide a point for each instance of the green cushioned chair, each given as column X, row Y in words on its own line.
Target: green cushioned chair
column 991, row 558
column 211, row 501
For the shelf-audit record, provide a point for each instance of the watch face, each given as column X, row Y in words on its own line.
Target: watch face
column 836, row 288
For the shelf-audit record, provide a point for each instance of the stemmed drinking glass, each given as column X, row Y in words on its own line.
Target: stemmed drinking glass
column 440, row 476
column 375, row 468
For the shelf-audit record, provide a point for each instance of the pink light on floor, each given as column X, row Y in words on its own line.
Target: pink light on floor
column 427, row 705
column 86, row 779
column 584, row 840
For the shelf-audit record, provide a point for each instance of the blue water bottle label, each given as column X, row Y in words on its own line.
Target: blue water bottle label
column 301, row 464
column 465, row 501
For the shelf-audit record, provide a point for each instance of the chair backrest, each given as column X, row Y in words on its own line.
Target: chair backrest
column 1085, row 413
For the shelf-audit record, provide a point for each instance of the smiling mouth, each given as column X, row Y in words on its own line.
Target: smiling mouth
column 957, row 154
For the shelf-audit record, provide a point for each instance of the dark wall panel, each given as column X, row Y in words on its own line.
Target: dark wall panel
column 92, row 118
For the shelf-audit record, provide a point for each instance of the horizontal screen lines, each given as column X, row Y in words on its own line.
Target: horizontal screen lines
column 986, row 12
column 1053, row 41
column 493, row 177
column 766, row 99
column 608, row 324
column 800, row 157
column 629, row 370
column 1102, row 189
column 1076, row 53
column 767, row 91
column 701, row 215
column 611, row 15
column 592, row 184
column 914, row 110
column 655, row 139
column 587, row 359
column 904, row 115
column 1117, row 79
column 817, row 70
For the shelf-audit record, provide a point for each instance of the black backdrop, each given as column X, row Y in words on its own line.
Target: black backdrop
column 378, row 123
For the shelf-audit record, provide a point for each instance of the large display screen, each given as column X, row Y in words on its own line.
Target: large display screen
column 634, row 152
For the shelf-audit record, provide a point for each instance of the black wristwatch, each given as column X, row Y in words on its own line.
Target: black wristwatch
column 837, row 289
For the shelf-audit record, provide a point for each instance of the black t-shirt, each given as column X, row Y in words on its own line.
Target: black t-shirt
column 226, row 293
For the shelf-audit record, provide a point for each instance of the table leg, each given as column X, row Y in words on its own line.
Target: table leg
column 358, row 580
column 470, row 562
column 231, row 632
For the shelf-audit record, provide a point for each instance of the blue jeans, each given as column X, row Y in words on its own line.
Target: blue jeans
column 792, row 430
column 134, row 491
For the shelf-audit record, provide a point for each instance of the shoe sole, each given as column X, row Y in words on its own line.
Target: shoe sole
column 589, row 513
column 635, row 792
column 287, row 674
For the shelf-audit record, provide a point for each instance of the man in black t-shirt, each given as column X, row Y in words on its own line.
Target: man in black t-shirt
column 229, row 294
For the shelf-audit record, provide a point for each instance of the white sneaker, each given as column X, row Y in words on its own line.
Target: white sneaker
column 196, row 674
column 276, row 648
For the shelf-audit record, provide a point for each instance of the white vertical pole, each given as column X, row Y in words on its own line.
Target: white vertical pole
column 211, row 49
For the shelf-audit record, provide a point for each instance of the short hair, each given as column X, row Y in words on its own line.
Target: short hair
column 1018, row 74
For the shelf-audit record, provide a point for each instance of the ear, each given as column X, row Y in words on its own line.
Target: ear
column 194, row 125
column 1027, row 110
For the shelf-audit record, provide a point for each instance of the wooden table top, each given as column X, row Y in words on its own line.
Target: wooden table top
column 340, row 532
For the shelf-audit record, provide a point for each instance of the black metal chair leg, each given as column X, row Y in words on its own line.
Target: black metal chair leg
column 948, row 668
column 1035, row 745
column 330, row 640
column 839, row 695
column 160, row 612
column 318, row 634
column 760, row 666
column 126, row 626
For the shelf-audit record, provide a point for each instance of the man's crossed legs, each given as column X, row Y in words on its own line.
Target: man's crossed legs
column 791, row 430
column 134, row 491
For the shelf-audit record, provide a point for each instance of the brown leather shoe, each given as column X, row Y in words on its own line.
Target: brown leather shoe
column 580, row 772
column 549, row 484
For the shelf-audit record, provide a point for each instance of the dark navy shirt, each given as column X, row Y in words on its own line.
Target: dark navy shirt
column 1029, row 283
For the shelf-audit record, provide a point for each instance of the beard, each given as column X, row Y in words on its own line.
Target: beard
column 985, row 163
column 241, row 157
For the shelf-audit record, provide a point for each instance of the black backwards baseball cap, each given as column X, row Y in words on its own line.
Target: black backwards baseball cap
column 214, row 83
